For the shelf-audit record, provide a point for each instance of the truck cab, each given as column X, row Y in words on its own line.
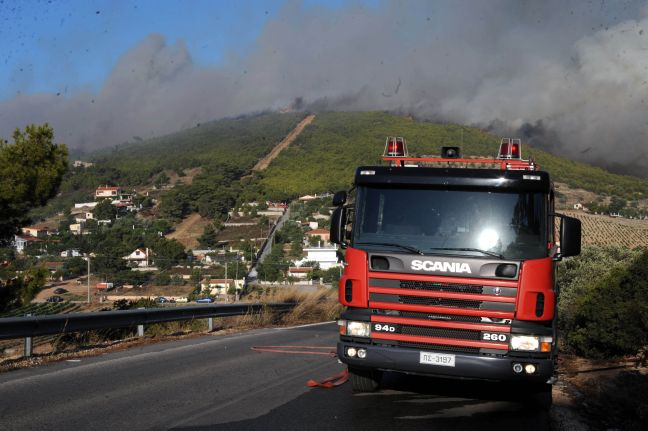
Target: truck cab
column 450, row 268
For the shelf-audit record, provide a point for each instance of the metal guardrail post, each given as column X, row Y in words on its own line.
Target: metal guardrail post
column 140, row 328
column 28, row 343
column 210, row 324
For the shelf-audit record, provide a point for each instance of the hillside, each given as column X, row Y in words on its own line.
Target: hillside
column 329, row 149
column 228, row 148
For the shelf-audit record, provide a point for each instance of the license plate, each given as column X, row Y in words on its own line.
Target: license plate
column 441, row 359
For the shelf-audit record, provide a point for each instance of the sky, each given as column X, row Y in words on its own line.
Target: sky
column 569, row 76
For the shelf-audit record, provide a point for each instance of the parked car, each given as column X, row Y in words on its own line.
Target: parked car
column 59, row 290
column 55, row 298
column 204, row 300
column 162, row 300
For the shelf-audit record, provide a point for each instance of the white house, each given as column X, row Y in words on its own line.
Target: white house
column 107, row 192
column 85, row 205
column 73, row 252
column 325, row 256
column 219, row 286
column 300, row 272
column 139, row 257
column 22, row 241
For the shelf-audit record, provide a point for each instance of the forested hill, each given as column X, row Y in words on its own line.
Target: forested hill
column 235, row 143
column 324, row 156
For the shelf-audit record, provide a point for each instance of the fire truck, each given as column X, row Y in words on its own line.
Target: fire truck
column 450, row 268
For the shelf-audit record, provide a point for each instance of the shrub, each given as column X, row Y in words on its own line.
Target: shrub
column 605, row 312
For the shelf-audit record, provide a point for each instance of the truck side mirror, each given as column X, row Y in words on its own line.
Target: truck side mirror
column 570, row 236
column 338, row 225
column 339, row 198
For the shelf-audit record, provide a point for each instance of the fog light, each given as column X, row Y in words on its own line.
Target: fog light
column 351, row 352
column 517, row 368
column 530, row 368
column 362, row 353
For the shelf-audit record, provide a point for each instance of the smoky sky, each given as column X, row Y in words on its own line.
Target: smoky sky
column 567, row 76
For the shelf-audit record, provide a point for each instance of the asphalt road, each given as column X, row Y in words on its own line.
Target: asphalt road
column 219, row 383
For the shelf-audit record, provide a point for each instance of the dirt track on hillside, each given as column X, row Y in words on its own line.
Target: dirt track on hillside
column 188, row 231
column 265, row 162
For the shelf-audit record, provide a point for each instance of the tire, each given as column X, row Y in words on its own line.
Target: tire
column 364, row 380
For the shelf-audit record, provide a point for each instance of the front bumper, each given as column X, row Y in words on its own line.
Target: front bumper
column 480, row 367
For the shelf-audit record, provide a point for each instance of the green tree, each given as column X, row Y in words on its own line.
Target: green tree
column 209, row 237
column 31, row 170
column 168, row 253
column 104, row 210
column 74, row 267
column 616, row 204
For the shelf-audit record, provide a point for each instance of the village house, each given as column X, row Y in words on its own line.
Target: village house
column 324, row 234
column 326, row 257
column 73, row 252
column 78, row 229
column 139, row 258
column 22, row 241
column 34, row 232
column 107, row 192
column 53, row 268
column 220, row 286
column 299, row 272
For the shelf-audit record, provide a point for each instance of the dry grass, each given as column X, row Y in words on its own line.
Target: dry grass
column 319, row 306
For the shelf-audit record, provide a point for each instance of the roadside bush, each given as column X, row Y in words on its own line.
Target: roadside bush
column 604, row 306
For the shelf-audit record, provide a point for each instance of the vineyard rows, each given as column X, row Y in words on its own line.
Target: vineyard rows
column 604, row 230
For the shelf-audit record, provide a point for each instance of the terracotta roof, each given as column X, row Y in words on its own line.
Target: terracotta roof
column 317, row 232
column 108, row 188
column 302, row 269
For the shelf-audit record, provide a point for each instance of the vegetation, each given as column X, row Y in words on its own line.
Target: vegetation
column 31, row 170
column 328, row 151
column 603, row 307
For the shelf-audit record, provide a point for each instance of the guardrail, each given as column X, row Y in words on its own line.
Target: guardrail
column 33, row 326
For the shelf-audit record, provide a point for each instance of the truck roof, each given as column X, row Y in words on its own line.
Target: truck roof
column 455, row 178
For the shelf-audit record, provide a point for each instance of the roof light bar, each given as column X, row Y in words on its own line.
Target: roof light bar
column 395, row 147
column 510, row 149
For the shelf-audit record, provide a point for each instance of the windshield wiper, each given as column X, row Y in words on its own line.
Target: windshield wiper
column 391, row 244
column 489, row 253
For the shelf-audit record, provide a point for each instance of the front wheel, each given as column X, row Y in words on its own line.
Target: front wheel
column 363, row 380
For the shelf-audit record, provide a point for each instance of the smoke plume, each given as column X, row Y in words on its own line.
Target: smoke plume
column 567, row 76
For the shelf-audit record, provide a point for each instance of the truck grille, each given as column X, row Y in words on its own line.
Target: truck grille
column 440, row 287
column 461, row 334
column 441, row 316
column 422, row 300
column 447, row 317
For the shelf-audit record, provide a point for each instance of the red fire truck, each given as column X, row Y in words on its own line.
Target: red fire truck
column 450, row 268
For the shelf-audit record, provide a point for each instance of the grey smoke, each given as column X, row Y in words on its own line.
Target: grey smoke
column 569, row 76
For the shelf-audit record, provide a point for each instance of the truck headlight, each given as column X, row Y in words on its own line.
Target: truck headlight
column 530, row 343
column 358, row 329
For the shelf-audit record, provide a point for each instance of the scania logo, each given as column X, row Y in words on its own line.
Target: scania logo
column 432, row 266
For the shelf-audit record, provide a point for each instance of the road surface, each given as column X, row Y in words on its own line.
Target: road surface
column 219, row 383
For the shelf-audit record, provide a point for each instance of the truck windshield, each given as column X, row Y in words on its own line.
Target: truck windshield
column 510, row 224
